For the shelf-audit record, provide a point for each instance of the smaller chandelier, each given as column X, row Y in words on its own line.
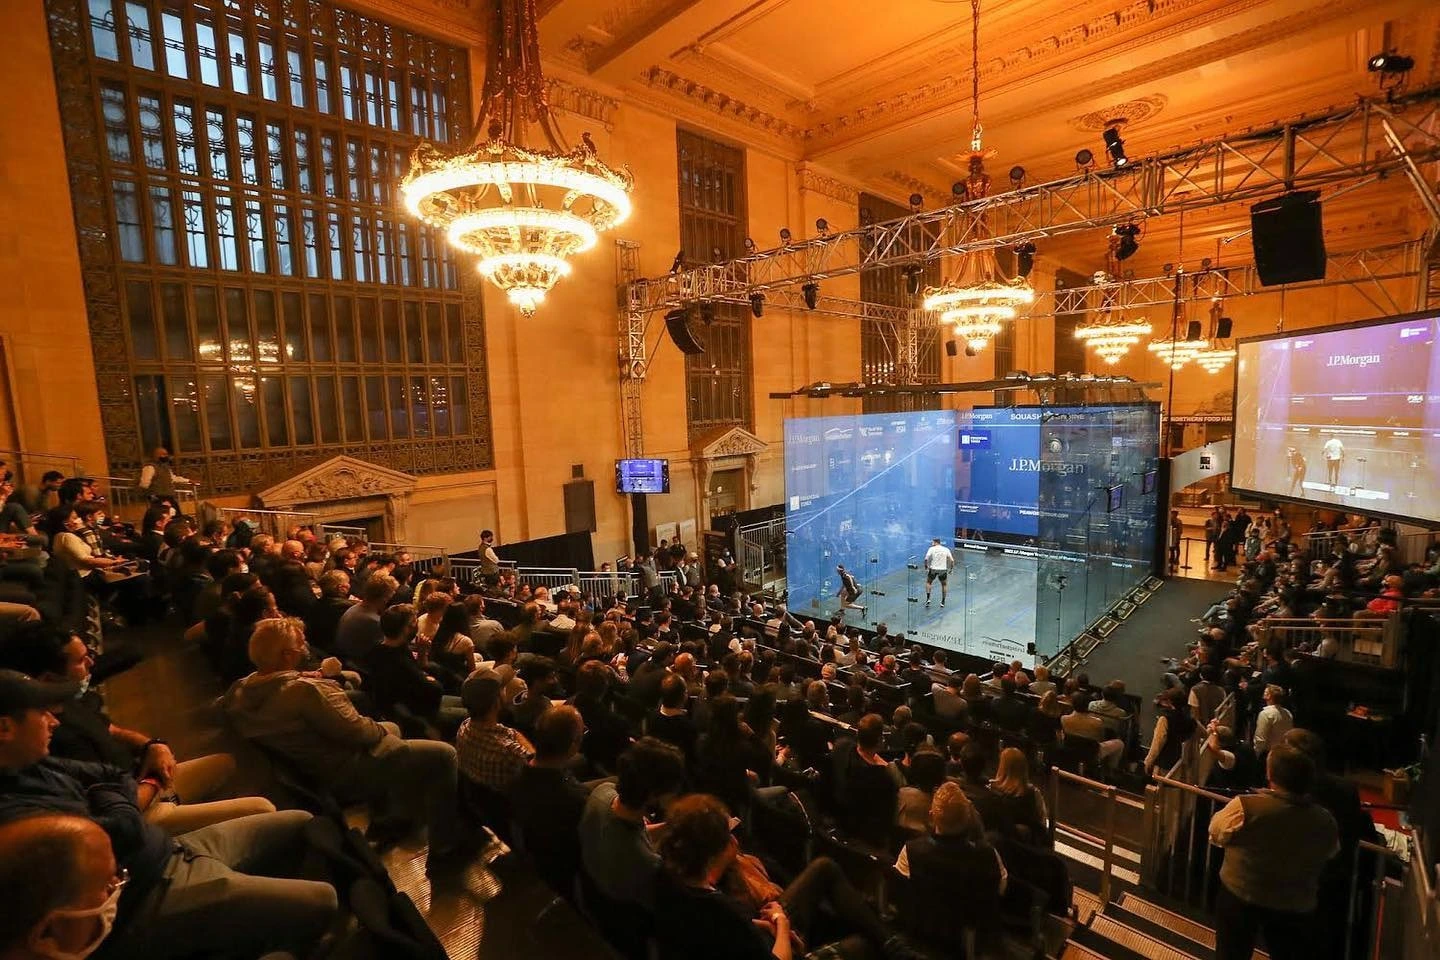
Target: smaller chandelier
column 978, row 301
column 1214, row 360
column 1177, row 353
column 1112, row 339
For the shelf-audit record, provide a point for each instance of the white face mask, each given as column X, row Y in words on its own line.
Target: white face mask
column 84, row 686
column 105, row 913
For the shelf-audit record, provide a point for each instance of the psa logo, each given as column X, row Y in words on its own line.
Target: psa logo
column 1415, row 398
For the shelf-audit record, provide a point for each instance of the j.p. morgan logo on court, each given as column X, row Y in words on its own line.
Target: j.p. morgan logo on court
column 1029, row 465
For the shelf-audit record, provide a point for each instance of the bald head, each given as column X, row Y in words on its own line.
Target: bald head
column 49, row 863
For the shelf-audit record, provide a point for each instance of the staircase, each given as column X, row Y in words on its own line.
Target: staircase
column 1133, row 926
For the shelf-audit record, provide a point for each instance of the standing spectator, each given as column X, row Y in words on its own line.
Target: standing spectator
column 1277, row 843
column 1174, row 726
column 158, row 480
column 1273, row 722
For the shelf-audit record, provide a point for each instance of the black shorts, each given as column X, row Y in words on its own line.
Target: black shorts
column 932, row 575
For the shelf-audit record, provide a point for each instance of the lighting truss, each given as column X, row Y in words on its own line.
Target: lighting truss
column 1324, row 150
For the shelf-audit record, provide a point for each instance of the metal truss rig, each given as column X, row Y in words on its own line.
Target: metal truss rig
column 1371, row 138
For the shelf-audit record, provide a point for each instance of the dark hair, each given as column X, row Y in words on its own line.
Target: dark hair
column 649, row 769
column 1007, row 686
column 592, row 680
column 724, row 718
column 973, row 760
column 673, row 691
column 557, row 732
column 913, row 735
column 760, row 710
column 397, row 619
column 49, row 476
column 453, row 621
column 716, row 683
column 1307, row 742
column 697, row 831
column 927, row 770
column 500, row 647
column 221, row 563
column 1289, row 769
column 869, row 731
column 35, row 649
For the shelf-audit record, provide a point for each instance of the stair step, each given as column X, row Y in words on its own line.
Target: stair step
column 1076, row 951
column 1084, row 851
column 1178, row 924
column 1141, row 944
column 1086, row 903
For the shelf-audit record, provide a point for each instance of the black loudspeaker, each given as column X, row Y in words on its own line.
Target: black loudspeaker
column 1288, row 238
column 1192, row 330
column 678, row 323
column 951, row 350
column 1223, row 328
column 580, row 506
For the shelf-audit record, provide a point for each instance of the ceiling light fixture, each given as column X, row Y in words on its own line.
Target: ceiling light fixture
column 1115, row 146
column 1084, row 159
column 1017, row 177
column 811, row 293
column 980, row 298
column 757, row 305
column 822, row 227
column 785, row 236
column 917, row 203
column 1024, row 258
column 1122, row 240
column 1177, row 353
column 1111, row 338
column 523, row 205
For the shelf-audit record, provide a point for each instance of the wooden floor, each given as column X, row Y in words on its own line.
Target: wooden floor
column 502, row 911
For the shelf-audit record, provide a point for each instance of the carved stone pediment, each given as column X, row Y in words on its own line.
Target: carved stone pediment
column 731, row 442
column 339, row 478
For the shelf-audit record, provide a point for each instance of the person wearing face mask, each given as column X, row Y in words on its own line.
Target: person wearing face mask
column 74, row 560
column 158, row 480
column 87, row 733
column 63, row 888
column 223, row 884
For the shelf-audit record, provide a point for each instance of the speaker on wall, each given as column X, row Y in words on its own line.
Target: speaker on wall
column 1289, row 238
column 951, row 349
column 677, row 322
column 1223, row 328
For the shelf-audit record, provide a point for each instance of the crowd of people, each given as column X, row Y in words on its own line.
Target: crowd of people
column 638, row 746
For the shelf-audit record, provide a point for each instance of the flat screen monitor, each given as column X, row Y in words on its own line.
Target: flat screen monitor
column 1344, row 417
column 1114, row 497
column 1147, row 482
column 642, row 476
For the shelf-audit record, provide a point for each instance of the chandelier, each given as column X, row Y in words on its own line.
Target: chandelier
column 1177, row 353
column 1112, row 339
column 980, row 298
column 523, row 206
column 1214, row 359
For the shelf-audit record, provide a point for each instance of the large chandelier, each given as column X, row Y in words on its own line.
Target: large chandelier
column 1110, row 338
column 523, row 207
column 980, row 298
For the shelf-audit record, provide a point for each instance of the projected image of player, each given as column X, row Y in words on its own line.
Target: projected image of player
column 849, row 591
column 1334, row 454
column 939, row 561
column 1295, row 466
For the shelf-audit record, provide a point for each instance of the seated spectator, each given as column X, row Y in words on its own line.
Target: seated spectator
column 1045, row 723
column 954, row 855
column 806, row 738
column 606, row 732
column 671, row 720
column 451, row 646
column 322, row 621
column 949, row 703
column 696, row 921
column 1173, row 729
column 867, row 786
column 309, row 721
column 925, row 772
column 483, row 629
column 1083, row 724
column 547, row 801
column 397, row 677
column 63, row 887
column 977, row 704
column 1273, row 722
column 288, row 579
column 540, row 679
column 1008, row 710
column 85, row 732
column 1042, row 684
column 490, row 753
column 1019, row 807
column 178, row 891
column 358, row 631
column 616, row 832
column 854, row 705
column 730, row 761
column 1110, row 708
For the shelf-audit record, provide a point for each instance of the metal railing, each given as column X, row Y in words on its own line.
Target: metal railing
column 351, row 534
column 432, row 561
column 551, row 578
column 762, row 554
column 30, row 466
column 128, row 500
column 1169, row 859
column 608, row 583
column 1371, row 878
column 1106, row 842
column 276, row 523
column 1373, row 640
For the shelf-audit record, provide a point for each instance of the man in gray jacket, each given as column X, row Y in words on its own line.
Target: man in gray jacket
column 309, row 720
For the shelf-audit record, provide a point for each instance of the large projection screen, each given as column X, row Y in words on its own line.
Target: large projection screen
column 1343, row 417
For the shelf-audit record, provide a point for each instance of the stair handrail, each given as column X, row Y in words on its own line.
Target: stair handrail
column 1109, row 791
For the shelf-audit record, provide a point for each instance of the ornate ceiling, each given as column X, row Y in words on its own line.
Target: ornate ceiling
column 876, row 95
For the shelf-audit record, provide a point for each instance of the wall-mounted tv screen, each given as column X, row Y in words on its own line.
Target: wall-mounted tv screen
column 1345, row 417
column 1114, row 497
column 642, row 476
column 1147, row 482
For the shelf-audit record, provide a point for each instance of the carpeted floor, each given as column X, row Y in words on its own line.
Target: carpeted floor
column 1160, row 627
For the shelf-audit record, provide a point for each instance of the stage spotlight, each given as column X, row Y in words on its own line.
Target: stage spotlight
column 822, row 227
column 716, row 255
column 1024, row 258
column 916, row 202
column 913, row 275
column 785, row 236
column 749, row 245
column 707, row 312
column 1084, row 159
column 1169, row 268
column 757, row 305
column 1115, row 146
column 867, row 216
column 1390, row 62
column 678, row 263
column 1017, row 177
column 958, row 189
column 1126, row 244
column 811, row 293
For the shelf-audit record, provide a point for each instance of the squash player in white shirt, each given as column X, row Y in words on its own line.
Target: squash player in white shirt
column 939, row 561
